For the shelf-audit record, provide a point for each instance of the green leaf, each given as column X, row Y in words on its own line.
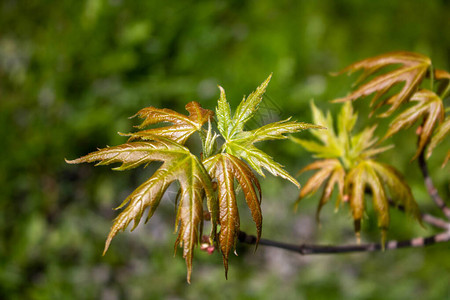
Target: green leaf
column 348, row 147
column 258, row 160
column 223, row 113
column 350, row 167
column 209, row 142
column 239, row 143
column 320, row 151
column 275, row 131
column 346, row 121
column 247, row 108
column 327, row 137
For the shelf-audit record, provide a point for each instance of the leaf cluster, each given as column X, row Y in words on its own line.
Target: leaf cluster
column 405, row 84
column 347, row 160
column 212, row 176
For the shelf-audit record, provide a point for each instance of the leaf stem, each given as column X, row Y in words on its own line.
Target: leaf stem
column 431, row 189
column 445, row 92
column 427, row 218
column 431, row 77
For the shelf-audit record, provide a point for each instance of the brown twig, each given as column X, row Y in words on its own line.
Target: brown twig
column 427, row 218
column 435, row 221
column 432, row 191
column 308, row 249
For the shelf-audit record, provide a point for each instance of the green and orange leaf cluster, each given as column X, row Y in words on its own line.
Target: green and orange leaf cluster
column 413, row 68
column 219, row 165
column 347, row 161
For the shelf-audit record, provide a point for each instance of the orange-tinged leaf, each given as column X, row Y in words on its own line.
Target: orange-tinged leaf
column 193, row 180
column 226, row 168
column 397, row 186
column 413, row 69
column 182, row 126
column 330, row 172
column 443, row 79
column 325, row 168
column 430, row 107
column 375, row 177
column 440, row 133
column 179, row 164
column 380, row 203
column 337, row 177
column 441, row 75
column 447, row 158
column 355, row 185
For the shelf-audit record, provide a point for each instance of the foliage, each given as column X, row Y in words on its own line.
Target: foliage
column 70, row 73
column 348, row 162
column 179, row 164
column 413, row 70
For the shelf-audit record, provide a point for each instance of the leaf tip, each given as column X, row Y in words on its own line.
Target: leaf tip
column 107, row 243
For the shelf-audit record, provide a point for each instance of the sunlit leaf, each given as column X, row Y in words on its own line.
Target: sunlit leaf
column 430, row 107
column 330, row 172
column 165, row 144
column 440, row 134
column 397, row 187
column 412, row 70
column 447, row 158
column 240, row 143
column 319, row 150
column 223, row 112
column 350, row 167
column 182, row 126
column 247, row 108
column 227, row 169
column 179, row 164
column 443, row 79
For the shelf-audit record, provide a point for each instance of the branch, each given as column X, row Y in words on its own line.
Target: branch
column 436, row 222
column 427, row 218
column 306, row 249
column 432, row 191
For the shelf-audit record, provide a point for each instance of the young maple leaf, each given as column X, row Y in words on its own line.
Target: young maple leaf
column 227, row 168
column 183, row 126
column 165, row 144
column 440, row 133
column 412, row 71
column 348, row 164
column 179, row 164
column 430, row 107
column 240, row 143
column 443, row 80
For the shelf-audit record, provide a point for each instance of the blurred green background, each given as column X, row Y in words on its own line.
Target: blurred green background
column 72, row 72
